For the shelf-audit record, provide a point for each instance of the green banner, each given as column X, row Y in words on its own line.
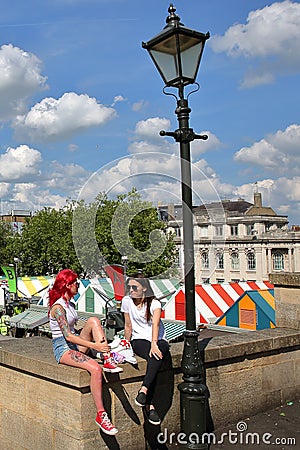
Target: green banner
column 10, row 274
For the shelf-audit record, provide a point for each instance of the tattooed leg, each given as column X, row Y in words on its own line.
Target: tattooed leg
column 78, row 357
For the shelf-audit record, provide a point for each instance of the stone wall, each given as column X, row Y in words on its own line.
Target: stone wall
column 47, row 406
column 287, row 299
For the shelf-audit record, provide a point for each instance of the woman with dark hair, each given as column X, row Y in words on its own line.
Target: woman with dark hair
column 145, row 330
column 70, row 348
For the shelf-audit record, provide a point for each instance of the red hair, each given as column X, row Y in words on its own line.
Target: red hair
column 59, row 288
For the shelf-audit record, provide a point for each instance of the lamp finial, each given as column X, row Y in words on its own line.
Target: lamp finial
column 173, row 19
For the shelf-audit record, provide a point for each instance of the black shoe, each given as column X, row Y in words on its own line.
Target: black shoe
column 153, row 417
column 140, row 399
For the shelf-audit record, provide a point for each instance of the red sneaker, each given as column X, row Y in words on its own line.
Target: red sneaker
column 105, row 424
column 110, row 365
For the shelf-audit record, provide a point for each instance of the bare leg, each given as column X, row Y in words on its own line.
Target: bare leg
column 78, row 359
column 93, row 332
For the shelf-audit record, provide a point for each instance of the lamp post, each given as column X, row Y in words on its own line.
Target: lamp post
column 177, row 52
column 124, row 260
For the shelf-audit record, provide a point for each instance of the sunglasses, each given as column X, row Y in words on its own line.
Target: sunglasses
column 133, row 287
column 75, row 282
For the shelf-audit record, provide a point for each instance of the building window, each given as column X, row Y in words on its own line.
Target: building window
column 251, row 262
column 220, row 261
column 219, row 230
column 235, row 261
column 205, row 261
column 278, row 261
column 177, row 232
column 234, row 230
column 250, row 229
column 203, row 231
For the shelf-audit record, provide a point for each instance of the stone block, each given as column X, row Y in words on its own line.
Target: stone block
column 62, row 441
column 23, row 431
column 11, row 396
column 278, row 376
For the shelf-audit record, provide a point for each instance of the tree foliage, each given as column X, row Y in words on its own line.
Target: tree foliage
column 6, row 237
column 85, row 237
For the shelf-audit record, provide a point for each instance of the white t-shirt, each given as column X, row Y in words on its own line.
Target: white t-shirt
column 71, row 316
column 141, row 329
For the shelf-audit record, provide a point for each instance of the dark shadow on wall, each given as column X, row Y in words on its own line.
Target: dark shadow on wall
column 162, row 401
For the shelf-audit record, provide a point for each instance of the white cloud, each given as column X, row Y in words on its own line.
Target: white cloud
column 137, row 106
column 4, row 189
column 156, row 176
column 19, row 164
column 30, row 196
column 271, row 34
column 147, row 139
column 67, row 178
column 254, row 78
column 287, row 140
column 20, row 78
column 55, row 119
column 277, row 152
column 118, row 99
column 282, row 194
column 151, row 127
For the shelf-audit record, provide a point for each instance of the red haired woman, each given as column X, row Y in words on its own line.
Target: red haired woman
column 71, row 348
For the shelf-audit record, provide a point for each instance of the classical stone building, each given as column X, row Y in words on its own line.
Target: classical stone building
column 237, row 240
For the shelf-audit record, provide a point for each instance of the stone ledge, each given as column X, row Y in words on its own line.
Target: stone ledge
column 49, row 406
column 249, row 344
column 285, row 279
column 34, row 355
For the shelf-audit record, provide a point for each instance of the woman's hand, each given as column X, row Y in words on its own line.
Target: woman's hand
column 102, row 346
column 154, row 351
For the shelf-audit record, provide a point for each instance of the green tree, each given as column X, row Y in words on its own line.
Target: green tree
column 45, row 245
column 85, row 237
column 6, row 236
column 129, row 226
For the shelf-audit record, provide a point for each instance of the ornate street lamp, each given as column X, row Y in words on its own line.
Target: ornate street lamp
column 176, row 53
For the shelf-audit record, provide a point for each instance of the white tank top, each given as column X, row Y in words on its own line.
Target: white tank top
column 71, row 315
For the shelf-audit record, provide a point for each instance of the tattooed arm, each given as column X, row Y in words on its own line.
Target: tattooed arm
column 59, row 314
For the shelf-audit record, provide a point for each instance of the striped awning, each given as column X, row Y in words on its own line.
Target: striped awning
column 31, row 286
column 30, row 318
column 162, row 288
column 174, row 329
column 211, row 300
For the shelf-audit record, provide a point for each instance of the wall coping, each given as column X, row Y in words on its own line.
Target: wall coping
column 34, row 355
column 285, row 279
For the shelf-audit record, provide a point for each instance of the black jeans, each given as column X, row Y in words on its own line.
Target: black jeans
column 141, row 347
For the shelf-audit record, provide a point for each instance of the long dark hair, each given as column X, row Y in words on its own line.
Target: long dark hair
column 148, row 293
column 59, row 288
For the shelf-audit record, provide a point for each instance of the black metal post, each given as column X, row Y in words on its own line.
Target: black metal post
column 193, row 391
column 16, row 260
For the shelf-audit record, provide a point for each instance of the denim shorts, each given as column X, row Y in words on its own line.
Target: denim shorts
column 61, row 346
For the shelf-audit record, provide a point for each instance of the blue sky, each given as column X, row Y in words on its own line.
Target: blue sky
column 82, row 103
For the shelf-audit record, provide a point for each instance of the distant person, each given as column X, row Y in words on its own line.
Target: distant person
column 70, row 347
column 145, row 330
